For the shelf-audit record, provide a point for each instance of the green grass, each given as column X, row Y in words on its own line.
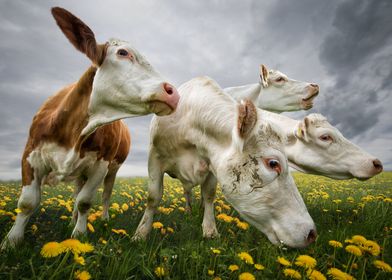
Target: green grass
column 365, row 209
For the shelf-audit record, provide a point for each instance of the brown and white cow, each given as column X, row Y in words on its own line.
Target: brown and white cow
column 77, row 134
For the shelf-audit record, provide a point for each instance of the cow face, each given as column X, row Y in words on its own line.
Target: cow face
column 280, row 93
column 320, row 148
column 255, row 179
column 125, row 84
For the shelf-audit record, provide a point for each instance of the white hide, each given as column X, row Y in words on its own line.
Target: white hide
column 279, row 93
column 126, row 87
column 204, row 127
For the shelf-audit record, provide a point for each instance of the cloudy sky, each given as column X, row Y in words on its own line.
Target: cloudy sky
column 344, row 46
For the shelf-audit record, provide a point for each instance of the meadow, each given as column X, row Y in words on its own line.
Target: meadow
column 353, row 218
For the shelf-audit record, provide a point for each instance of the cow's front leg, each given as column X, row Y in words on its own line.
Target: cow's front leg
column 84, row 198
column 155, row 191
column 208, row 190
column 188, row 198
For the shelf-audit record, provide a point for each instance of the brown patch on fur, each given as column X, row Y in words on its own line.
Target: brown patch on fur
column 264, row 73
column 247, row 118
column 80, row 35
column 61, row 120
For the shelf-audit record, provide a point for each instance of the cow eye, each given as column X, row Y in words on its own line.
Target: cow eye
column 122, row 52
column 326, row 138
column 273, row 164
column 280, row 79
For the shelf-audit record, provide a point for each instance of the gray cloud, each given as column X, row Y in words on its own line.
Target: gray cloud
column 343, row 46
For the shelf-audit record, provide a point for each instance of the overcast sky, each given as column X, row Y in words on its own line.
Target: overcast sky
column 344, row 46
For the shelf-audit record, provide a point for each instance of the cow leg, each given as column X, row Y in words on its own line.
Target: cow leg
column 155, row 191
column 28, row 202
column 208, row 190
column 107, row 191
column 79, row 185
column 188, row 198
column 86, row 195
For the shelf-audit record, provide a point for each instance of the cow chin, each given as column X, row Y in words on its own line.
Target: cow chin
column 160, row 108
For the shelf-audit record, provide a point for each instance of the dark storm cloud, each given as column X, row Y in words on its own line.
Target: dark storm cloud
column 343, row 46
column 358, row 54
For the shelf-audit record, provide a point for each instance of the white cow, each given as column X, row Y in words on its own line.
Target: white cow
column 236, row 147
column 276, row 92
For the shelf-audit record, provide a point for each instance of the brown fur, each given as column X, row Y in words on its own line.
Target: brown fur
column 247, row 118
column 61, row 120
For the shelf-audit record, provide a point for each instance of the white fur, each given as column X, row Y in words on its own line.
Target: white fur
column 283, row 96
column 202, row 128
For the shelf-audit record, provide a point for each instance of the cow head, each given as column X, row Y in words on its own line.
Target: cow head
column 125, row 84
column 255, row 179
column 319, row 148
column 280, row 93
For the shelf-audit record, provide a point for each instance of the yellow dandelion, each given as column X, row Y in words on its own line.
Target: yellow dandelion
column 337, row 274
column 86, row 248
column 79, row 259
column 352, row 249
column 63, row 217
column 233, row 267
column 242, row 225
column 124, row 207
column 305, row 261
column 283, row 261
column 34, row 228
column 82, row 275
column 382, row 265
column 259, row 266
column 335, row 244
column 159, row 271
column 119, row 231
column 246, row 276
column 315, row 275
column 246, row 257
column 52, row 249
column 170, row 230
column 210, row 272
column 157, row 225
column 216, row 251
column 217, row 278
column 72, row 245
column 90, row 227
column 224, row 217
column 371, row 247
column 292, row 273
column 358, row 239
column 17, row 210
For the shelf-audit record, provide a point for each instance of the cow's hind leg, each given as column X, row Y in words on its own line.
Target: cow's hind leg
column 28, row 202
column 86, row 195
column 155, row 191
column 208, row 189
column 78, row 187
column 107, row 190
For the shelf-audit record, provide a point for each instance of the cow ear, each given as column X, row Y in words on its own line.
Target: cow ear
column 80, row 35
column 303, row 129
column 246, row 121
column 264, row 75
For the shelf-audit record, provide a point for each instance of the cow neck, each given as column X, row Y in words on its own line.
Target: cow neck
column 72, row 113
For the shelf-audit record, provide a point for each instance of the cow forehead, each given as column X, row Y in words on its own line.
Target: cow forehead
column 276, row 73
column 140, row 58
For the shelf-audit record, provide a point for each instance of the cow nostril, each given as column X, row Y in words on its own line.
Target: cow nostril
column 168, row 88
column 378, row 165
column 311, row 236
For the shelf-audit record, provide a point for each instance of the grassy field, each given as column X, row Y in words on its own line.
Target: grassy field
column 176, row 250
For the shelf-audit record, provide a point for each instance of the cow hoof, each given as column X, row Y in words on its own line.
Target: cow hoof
column 211, row 234
column 77, row 233
column 137, row 237
column 188, row 210
column 9, row 243
column 105, row 217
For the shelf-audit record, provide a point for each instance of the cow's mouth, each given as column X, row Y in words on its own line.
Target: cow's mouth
column 307, row 102
column 160, row 108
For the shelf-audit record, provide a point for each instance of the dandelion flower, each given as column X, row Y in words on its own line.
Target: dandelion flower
column 315, row 275
column 211, row 272
column 337, row 274
column 335, row 244
column 371, row 247
column 352, row 249
column 246, row 276
column 382, row 265
column 90, row 227
column 157, row 225
column 79, row 259
column 358, row 239
column 292, row 273
column 259, row 266
column 233, row 267
column 305, row 261
column 82, row 275
column 246, row 257
column 86, row 248
column 159, row 271
column 224, row 217
column 216, row 251
column 283, row 261
column 34, row 228
column 119, row 231
column 52, row 249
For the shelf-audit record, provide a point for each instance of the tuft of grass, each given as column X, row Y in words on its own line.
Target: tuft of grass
column 340, row 210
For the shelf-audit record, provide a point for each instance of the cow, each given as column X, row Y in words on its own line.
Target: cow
column 77, row 134
column 235, row 146
column 276, row 92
